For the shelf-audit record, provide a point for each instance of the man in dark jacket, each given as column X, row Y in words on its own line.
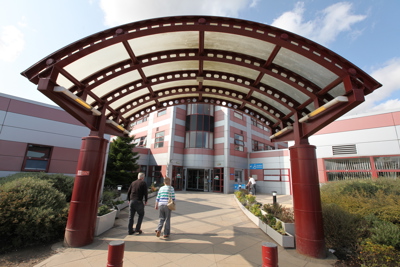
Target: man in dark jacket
column 136, row 192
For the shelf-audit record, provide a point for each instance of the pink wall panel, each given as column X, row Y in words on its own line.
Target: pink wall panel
column 11, row 163
column 219, row 115
column 10, row 148
column 181, row 114
column 269, row 154
column 35, row 110
column 141, row 150
column 218, row 149
column 178, row 147
column 179, row 130
column 198, row 151
column 62, row 166
column 375, row 121
column 65, row 154
column 4, row 103
column 219, row 132
column 396, row 118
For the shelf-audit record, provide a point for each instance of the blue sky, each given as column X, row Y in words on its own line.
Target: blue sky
column 365, row 32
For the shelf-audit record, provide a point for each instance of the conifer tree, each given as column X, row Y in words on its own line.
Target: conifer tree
column 122, row 164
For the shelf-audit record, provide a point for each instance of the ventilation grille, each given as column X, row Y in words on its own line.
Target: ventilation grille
column 344, row 150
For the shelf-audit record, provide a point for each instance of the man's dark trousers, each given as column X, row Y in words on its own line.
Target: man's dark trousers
column 135, row 206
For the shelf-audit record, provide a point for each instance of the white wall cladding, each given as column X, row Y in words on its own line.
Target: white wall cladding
column 26, row 129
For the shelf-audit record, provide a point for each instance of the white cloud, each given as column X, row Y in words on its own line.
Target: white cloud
column 388, row 76
column 325, row 27
column 12, row 43
column 124, row 11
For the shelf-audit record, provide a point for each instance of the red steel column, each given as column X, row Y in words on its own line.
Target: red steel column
column 307, row 201
column 85, row 195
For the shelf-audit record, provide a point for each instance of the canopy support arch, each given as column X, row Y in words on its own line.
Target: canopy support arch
column 290, row 84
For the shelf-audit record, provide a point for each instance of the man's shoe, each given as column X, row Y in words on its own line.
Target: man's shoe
column 131, row 233
column 166, row 236
column 158, row 233
column 139, row 232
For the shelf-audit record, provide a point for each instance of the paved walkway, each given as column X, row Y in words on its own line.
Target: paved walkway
column 208, row 229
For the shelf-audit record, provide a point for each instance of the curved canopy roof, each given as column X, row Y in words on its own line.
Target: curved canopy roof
column 114, row 77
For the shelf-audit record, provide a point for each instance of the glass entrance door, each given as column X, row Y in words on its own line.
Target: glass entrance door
column 195, row 178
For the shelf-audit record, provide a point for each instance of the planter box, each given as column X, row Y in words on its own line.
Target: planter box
column 286, row 241
column 105, row 222
column 289, row 227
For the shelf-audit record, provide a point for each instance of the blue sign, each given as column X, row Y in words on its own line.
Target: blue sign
column 256, row 166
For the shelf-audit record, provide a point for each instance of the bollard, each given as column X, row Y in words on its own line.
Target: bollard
column 115, row 253
column 274, row 197
column 269, row 254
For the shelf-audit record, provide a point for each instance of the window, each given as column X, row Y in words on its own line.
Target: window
column 161, row 112
column 140, row 141
column 239, row 144
column 238, row 115
column 199, row 139
column 37, row 158
column 159, row 142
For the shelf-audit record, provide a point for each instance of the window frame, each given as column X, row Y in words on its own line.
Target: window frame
column 238, row 142
column 27, row 158
column 157, row 143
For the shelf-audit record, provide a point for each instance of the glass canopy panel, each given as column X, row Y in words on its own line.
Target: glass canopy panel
column 175, row 85
column 209, row 84
column 170, row 67
column 115, row 83
column 92, row 63
column 164, row 41
column 285, row 88
column 338, row 90
column 230, row 68
column 262, row 112
column 271, row 102
column 133, row 95
column 64, row 82
column 305, row 67
column 239, row 44
column 139, row 107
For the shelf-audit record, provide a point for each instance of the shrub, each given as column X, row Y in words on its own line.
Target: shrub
column 32, row 212
column 108, row 197
column 103, row 209
column 343, row 230
column 284, row 214
column 61, row 182
column 378, row 255
column 385, row 233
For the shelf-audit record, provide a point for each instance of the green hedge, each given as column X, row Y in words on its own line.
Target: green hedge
column 61, row 182
column 362, row 220
column 32, row 211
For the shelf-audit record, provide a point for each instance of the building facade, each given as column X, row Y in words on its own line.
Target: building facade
column 202, row 147
column 37, row 137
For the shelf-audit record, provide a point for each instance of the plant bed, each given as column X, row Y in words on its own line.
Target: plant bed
column 284, row 240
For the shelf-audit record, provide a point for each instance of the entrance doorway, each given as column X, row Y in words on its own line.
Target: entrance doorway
column 195, row 180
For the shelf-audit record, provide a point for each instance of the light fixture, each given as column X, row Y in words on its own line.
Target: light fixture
column 119, row 127
column 331, row 103
column 80, row 101
column 284, row 130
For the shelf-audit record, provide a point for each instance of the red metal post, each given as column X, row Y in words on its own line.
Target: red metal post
column 85, row 195
column 269, row 254
column 307, row 201
column 115, row 253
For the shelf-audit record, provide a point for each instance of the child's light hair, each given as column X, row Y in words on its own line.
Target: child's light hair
column 167, row 181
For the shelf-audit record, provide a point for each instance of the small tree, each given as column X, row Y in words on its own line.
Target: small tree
column 122, row 162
